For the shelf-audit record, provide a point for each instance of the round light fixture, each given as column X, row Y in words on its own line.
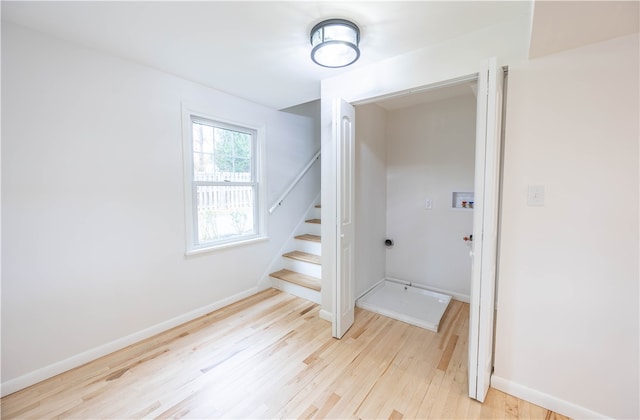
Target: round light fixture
column 335, row 43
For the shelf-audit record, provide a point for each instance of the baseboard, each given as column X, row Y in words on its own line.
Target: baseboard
column 454, row 295
column 544, row 400
column 326, row 315
column 16, row 384
column 370, row 288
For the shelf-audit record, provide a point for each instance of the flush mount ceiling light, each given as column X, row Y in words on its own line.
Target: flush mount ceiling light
column 335, row 43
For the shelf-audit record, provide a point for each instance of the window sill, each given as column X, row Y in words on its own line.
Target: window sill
column 207, row 249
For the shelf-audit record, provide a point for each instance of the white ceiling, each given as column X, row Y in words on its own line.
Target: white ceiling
column 260, row 50
column 254, row 50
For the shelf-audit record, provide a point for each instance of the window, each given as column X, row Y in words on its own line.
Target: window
column 223, row 195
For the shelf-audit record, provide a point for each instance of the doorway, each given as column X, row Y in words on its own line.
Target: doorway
column 488, row 137
column 414, row 176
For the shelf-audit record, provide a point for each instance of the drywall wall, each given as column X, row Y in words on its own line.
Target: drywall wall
column 93, row 234
column 370, row 196
column 430, row 154
column 567, row 333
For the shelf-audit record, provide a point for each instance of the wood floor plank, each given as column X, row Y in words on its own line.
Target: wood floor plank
column 271, row 356
column 395, row 415
column 448, row 352
column 309, row 412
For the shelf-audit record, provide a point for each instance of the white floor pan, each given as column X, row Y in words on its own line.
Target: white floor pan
column 410, row 304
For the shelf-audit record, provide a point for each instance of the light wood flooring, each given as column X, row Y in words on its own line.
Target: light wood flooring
column 271, row 356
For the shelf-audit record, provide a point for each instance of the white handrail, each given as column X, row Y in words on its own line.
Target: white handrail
column 295, row 182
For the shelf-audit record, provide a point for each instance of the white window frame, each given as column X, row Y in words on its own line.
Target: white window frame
column 189, row 115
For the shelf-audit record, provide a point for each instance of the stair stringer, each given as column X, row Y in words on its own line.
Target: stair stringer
column 277, row 262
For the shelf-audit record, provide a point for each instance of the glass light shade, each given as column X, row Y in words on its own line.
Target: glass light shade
column 335, row 43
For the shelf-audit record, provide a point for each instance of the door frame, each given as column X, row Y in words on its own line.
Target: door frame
column 329, row 194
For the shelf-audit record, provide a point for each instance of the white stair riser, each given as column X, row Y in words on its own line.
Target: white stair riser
column 309, row 246
column 297, row 290
column 317, row 214
column 303, row 267
column 312, row 228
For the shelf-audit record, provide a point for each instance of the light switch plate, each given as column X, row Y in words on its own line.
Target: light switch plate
column 428, row 204
column 535, row 195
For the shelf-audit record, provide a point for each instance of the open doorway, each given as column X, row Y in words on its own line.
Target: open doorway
column 340, row 115
column 414, row 183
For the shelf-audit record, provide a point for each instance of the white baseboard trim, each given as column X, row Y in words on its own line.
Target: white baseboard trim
column 454, row 295
column 544, row 400
column 326, row 315
column 16, row 384
column 370, row 288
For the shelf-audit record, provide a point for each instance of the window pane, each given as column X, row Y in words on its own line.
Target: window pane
column 202, row 138
column 225, row 212
column 202, row 166
column 221, row 154
column 232, row 155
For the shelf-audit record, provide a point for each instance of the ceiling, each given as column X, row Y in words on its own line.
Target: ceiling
column 254, row 50
column 260, row 50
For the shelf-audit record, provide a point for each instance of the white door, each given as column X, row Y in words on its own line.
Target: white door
column 485, row 228
column 344, row 289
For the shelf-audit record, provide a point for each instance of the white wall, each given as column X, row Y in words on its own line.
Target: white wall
column 430, row 154
column 93, row 234
column 370, row 196
column 567, row 334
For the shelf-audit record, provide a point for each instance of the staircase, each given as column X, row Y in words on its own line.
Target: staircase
column 301, row 274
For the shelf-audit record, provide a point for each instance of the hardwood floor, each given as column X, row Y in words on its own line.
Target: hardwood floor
column 271, row 356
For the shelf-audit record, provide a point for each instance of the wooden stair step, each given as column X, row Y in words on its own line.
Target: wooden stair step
column 298, row 278
column 315, row 221
column 303, row 256
column 308, row 237
column 318, row 206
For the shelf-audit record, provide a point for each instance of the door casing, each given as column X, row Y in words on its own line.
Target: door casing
column 330, row 165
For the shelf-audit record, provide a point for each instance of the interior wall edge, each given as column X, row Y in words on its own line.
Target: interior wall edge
column 46, row 372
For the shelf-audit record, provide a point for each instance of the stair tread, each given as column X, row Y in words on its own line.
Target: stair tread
column 309, row 237
column 300, row 279
column 316, row 221
column 303, row 256
column 318, row 206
